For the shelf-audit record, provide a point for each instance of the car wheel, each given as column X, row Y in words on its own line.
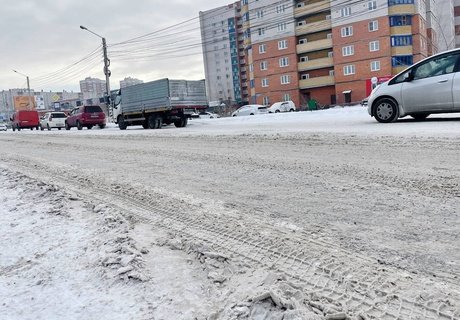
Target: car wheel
column 67, row 127
column 277, row 111
column 420, row 116
column 291, row 110
column 79, row 126
column 251, row 114
column 14, row 128
column 386, row 110
column 234, row 115
column 48, row 126
column 101, row 126
column 41, row 128
column 59, row 128
column 18, row 127
column 89, row 127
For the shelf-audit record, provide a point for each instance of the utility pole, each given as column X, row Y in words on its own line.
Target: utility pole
column 107, row 72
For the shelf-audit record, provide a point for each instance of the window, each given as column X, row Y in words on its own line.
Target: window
column 251, row 67
column 261, row 31
column 400, row 21
column 330, row 54
column 284, row 62
column 373, row 25
column 395, row 2
column 282, row 44
column 398, row 41
column 349, row 69
column 280, row 8
column 260, row 14
column 374, row 46
column 348, row 51
column 282, row 26
column 266, row 101
column 305, row 76
column 400, row 61
column 303, row 59
column 435, row 67
column 347, row 31
column 286, row 97
column 262, row 48
column 303, row 41
column 375, row 65
column 331, row 73
column 285, row 79
column 264, row 65
column 264, row 82
column 372, row 5
column 251, row 83
column 346, row 11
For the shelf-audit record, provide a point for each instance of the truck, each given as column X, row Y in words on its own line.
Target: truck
column 158, row 102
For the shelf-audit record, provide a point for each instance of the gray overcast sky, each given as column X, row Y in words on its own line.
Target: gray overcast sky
column 43, row 36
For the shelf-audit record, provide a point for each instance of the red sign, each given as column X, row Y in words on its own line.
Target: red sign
column 374, row 81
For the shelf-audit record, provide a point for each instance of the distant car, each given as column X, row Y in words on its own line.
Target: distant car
column 250, row 110
column 53, row 120
column 86, row 116
column 25, row 119
column 3, row 127
column 208, row 115
column 364, row 101
column 429, row 86
column 285, row 106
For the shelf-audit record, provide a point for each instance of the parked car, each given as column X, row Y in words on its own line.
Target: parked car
column 3, row 127
column 86, row 116
column 25, row 119
column 285, row 106
column 53, row 120
column 208, row 115
column 429, row 86
column 250, row 110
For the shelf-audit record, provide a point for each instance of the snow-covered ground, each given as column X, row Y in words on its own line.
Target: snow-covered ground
column 306, row 215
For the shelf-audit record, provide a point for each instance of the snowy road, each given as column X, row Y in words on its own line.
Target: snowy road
column 343, row 216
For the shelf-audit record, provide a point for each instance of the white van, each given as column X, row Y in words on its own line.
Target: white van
column 250, row 110
column 285, row 106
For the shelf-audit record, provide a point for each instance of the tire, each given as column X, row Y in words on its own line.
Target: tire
column 59, row 128
column 181, row 123
column 41, row 128
column 159, row 123
column 89, row 127
column 152, row 121
column 101, row 126
column 14, row 128
column 234, row 115
column 277, row 111
column 79, row 126
column 251, row 114
column 18, row 127
column 291, row 110
column 420, row 116
column 32, row 129
column 386, row 110
column 48, row 127
column 145, row 125
column 67, row 127
column 121, row 123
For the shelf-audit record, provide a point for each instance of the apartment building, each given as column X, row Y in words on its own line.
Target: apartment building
column 128, row 81
column 92, row 88
column 333, row 51
column 457, row 23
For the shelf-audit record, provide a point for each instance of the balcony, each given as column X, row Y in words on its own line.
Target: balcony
column 314, row 46
column 317, row 82
column 243, row 69
column 312, row 7
column 244, row 77
column 315, row 64
column 403, row 50
column 243, row 61
column 245, row 92
column 400, row 30
column 313, row 27
column 400, row 9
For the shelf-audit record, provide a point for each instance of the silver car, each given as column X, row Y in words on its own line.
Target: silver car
column 250, row 110
column 429, row 86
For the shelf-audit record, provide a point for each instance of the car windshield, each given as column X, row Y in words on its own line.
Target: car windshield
column 59, row 115
column 93, row 109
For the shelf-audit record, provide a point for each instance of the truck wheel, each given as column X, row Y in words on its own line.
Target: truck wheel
column 152, row 121
column 79, row 126
column 121, row 123
column 159, row 123
column 181, row 123
column 145, row 125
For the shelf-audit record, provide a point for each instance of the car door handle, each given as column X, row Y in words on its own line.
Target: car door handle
column 442, row 81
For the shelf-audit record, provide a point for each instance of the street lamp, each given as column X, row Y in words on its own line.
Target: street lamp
column 106, row 68
column 28, row 88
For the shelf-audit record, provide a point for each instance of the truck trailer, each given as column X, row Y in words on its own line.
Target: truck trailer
column 158, row 102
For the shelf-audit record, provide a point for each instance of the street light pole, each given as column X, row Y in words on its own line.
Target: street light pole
column 107, row 71
column 28, row 88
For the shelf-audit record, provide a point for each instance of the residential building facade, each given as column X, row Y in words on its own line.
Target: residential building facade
column 128, row 81
column 92, row 88
column 332, row 51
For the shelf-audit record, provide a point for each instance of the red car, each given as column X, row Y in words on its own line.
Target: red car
column 24, row 119
column 85, row 116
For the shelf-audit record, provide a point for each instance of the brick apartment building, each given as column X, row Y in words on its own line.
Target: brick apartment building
column 333, row 51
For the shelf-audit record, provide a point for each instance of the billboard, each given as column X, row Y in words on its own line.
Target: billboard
column 24, row 103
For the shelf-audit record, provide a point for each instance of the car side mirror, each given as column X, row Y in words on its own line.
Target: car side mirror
column 409, row 76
